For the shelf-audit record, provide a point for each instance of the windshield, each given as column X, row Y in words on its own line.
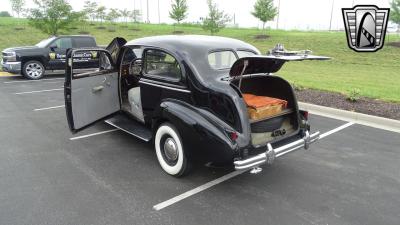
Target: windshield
column 45, row 42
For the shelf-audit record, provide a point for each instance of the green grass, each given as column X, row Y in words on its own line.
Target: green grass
column 376, row 75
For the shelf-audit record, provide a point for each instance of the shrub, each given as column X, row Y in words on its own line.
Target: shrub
column 5, row 14
column 354, row 95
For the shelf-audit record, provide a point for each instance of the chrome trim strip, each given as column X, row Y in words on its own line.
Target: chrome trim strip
column 269, row 156
column 166, row 87
column 10, row 63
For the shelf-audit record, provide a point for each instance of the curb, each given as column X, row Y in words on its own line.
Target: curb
column 5, row 74
column 359, row 118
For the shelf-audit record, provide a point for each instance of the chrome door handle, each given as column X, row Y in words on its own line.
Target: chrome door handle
column 97, row 89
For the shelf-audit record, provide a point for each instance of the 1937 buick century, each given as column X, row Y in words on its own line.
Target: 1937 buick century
column 198, row 98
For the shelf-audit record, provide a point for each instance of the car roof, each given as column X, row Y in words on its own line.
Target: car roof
column 192, row 42
column 194, row 48
column 86, row 36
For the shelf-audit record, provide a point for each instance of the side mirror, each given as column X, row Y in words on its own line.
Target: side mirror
column 136, row 67
column 53, row 46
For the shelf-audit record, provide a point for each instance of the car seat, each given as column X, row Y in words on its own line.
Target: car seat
column 136, row 103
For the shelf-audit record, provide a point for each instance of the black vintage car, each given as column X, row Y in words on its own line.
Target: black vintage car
column 191, row 95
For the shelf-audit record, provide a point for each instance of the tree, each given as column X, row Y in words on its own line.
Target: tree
column 17, row 6
column 395, row 12
column 179, row 10
column 265, row 11
column 51, row 16
column 101, row 13
column 113, row 15
column 81, row 18
column 125, row 14
column 5, row 14
column 136, row 16
column 216, row 19
column 90, row 9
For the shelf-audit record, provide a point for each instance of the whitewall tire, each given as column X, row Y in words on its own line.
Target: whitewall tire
column 169, row 150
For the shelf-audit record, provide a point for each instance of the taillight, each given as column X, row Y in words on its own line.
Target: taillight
column 304, row 114
column 233, row 135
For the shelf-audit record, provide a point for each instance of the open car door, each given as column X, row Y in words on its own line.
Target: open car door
column 91, row 87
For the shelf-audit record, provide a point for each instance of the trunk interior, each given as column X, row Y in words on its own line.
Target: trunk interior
column 271, row 122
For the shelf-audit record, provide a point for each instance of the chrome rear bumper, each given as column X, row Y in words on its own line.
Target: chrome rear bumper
column 269, row 156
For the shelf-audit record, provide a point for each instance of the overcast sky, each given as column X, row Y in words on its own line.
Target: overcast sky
column 294, row 14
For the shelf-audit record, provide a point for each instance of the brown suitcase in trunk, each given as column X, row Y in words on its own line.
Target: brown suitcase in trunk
column 260, row 107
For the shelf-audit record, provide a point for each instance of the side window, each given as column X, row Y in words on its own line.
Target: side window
column 161, row 64
column 128, row 56
column 63, row 43
column 86, row 62
column 221, row 60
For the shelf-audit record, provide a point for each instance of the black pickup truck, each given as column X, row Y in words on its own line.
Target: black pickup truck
column 48, row 56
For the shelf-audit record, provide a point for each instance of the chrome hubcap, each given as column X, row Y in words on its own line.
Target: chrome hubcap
column 34, row 70
column 171, row 149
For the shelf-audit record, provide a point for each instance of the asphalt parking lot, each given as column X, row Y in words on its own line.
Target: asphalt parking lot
column 49, row 176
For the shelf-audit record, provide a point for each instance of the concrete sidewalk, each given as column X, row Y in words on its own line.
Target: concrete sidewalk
column 359, row 118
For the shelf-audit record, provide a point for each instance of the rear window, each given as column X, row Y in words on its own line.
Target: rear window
column 243, row 54
column 84, row 42
column 221, row 60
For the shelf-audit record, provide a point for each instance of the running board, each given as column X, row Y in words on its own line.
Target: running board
column 130, row 126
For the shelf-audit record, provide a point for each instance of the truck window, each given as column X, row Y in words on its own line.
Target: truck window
column 161, row 64
column 84, row 42
column 63, row 43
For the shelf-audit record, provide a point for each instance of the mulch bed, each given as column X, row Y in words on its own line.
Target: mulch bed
column 178, row 32
column 394, row 44
column 261, row 37
column 339, row 101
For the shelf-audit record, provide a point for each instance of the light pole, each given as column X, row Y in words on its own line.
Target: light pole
column 279, row 12
column 148, row 18
column 330, row 22
column 159, row 18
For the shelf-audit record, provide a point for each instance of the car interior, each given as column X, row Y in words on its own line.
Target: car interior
column 129, row 82
column 157, row 64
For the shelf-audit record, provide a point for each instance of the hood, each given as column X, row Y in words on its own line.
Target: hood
column 260, row 64
column 23, row 48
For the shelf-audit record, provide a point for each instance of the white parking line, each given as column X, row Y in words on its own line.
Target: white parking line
column 49, row 108
column 324, row 135
column 228, row 176
column 32, row 92
column 91, row 135
column 28, row 81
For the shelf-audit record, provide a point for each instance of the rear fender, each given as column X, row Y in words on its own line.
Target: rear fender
column 204, row 136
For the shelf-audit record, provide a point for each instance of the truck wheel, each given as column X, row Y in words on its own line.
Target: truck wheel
column 169, row 149
column 33, row 70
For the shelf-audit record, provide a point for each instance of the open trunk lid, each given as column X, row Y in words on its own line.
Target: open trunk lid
column 271, row 63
